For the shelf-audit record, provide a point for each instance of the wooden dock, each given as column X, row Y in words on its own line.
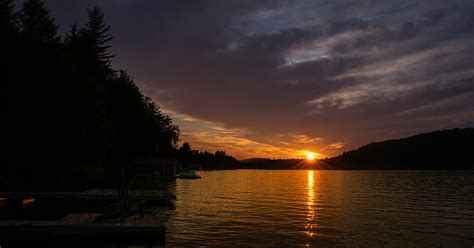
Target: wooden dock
column 66, row 234
column 81, row 229
column 94, row 194
column 79, row 218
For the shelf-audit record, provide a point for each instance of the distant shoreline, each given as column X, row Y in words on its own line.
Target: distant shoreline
column 438, row 150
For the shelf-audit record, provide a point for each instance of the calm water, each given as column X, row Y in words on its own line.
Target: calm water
column 324, row 208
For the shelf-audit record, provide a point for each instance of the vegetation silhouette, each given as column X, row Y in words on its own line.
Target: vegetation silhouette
column 194, row 159
column 70, row 116
column 277, row 164
column 438, row 150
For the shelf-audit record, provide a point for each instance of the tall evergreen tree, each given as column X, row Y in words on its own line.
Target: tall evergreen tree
column 96, row 32
column 7, row 20
column 66, row 107
column 72, row 34
column 7, row 51
column 36, row 24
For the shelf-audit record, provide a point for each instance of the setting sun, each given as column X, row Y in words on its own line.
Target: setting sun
column 310, row 156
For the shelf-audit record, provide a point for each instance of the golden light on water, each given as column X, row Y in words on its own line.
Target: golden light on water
column 310, row 203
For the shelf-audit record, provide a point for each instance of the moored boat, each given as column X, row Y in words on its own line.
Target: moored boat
column 188, row 175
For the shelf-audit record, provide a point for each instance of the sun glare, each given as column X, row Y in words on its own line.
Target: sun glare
column 310, row 156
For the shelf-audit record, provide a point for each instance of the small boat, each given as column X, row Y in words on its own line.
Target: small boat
column 188, row 175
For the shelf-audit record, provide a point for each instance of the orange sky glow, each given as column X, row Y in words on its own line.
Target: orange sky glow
column 211, row 136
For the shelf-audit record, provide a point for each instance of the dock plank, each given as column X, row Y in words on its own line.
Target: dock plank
column 79, row 218
column 19, row 232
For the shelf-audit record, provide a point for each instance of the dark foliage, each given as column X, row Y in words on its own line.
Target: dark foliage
column 66, row 108
column 276, row 164
column 6, row 16
column 444, row 150
column 36, row 24
column 205, row 160
column 96, row 35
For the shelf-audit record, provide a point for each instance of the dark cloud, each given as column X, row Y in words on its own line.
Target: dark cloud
column 261, row 73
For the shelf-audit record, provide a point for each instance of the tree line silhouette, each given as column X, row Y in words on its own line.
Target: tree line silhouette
column 67, row 109
column 205, row 160
column 68, row 114
column 438, row 150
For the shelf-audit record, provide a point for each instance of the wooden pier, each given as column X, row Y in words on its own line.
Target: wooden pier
column 86, row 229
column 94, row 194
column 67, row 234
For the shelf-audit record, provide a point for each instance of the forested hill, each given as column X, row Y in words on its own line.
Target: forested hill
column 66, row 105
column 68, row 114
column 70, row 119
column 446, row 149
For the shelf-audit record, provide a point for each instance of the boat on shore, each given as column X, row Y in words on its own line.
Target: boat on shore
column 188, row 175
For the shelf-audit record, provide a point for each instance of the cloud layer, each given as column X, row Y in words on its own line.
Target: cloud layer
column 275, row 78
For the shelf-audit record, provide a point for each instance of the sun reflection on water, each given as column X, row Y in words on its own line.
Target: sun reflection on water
column 309, row 204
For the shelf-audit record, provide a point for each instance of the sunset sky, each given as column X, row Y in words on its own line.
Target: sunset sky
column 280, row 78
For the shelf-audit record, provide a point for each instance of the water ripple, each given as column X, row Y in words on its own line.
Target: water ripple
column 324, row 208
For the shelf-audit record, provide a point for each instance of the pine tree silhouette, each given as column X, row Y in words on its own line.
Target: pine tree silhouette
column 67, row 109
column 71, row 35
column 96, row 32
column 7, row 20
column 36, row 24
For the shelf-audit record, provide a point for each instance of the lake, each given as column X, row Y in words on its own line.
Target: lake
column 324, row 208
